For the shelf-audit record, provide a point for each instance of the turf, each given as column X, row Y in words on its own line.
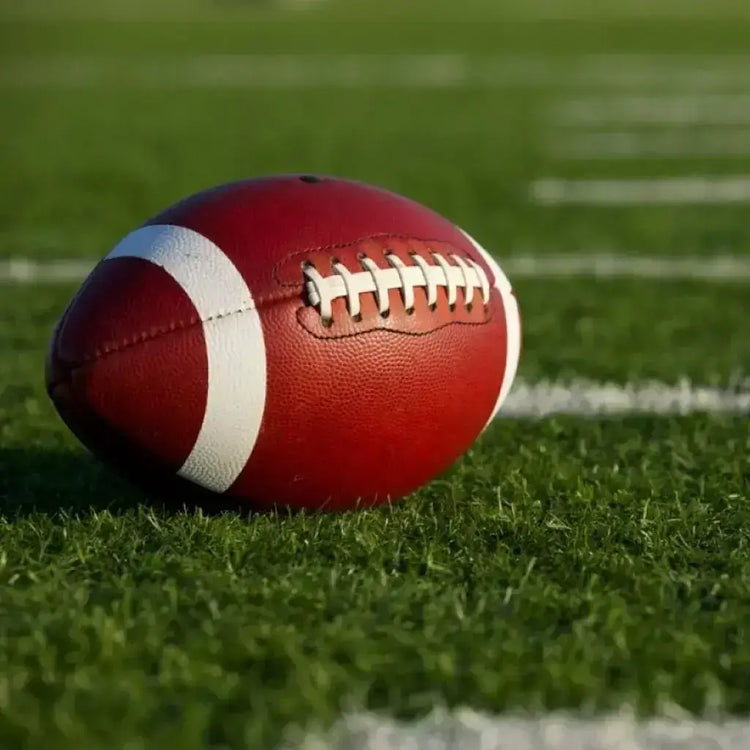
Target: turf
column 562, row 563
column 84, row 167
column 572, row 563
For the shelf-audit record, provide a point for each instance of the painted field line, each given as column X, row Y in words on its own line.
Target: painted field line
column 140, row 11
column 25, row 271
column 449, row 70
column 468, row 730
column 515, row 11
column 717, row 268
column 693, row 109
column 692, row 190
column 645, row 144
column 587, row 398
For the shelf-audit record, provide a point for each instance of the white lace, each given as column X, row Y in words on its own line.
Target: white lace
column 465, row 275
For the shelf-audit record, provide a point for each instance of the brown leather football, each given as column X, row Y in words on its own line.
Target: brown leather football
column 294, row 341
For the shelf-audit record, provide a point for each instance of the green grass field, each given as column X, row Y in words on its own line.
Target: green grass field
column 564, row 563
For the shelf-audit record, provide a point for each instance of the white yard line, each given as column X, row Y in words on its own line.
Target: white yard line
column 692, row 109
column 716, row 268
column 587, row 398
column 25, row 271
column 649, row 144
column 469, row 730
column 239, row 71
column 510, row 10
column 141, row 11
column 673, row 72
column 694, row 190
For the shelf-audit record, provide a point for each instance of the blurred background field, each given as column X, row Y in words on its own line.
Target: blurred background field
column 109, row 113
column 569, row 562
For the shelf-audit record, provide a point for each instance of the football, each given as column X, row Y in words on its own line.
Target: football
column 291, row 341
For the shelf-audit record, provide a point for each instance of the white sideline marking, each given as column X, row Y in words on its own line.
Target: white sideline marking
column 469, row 730
column 449, row 70
column 678, row 143
column 697, row 189
column 708, row 109
column 586, row 398
column 717, row 268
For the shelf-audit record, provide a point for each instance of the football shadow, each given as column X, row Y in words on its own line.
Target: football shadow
column 50, row 481
column 39, row 480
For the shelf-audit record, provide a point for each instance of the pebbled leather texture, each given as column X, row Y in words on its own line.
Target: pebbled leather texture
column 130, row 350
column 355, row 414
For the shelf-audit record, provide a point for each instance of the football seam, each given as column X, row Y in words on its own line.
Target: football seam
column 335, row 337
column 263, row 302
column 155, row 334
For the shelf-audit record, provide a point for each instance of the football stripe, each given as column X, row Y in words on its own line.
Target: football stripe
column 235, row 347
column 512, row 323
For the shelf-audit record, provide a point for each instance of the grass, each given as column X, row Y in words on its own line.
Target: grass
column 84, row 167
column 569, row 563
column 564, row 563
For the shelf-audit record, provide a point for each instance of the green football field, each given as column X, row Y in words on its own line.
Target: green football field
column 590, row 554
